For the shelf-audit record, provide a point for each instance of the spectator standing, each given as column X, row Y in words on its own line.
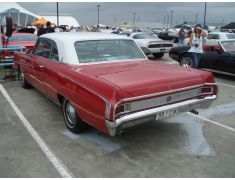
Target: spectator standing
column 40, row 30
column 48, row 28
column 196, row 41
column 182, row 36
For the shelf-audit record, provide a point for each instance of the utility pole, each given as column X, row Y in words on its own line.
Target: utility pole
column 134, row 21
column 98, row 11
column 167, row 23
column 171, row 17
column 57, row 13
column 115, row 21
column 196, row 18
column 205, row 15
column 164, row 22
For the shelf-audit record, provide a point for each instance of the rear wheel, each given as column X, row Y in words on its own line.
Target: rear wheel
column 71, row 118
column 23, row 82
column 186, row 60
column 158, row 55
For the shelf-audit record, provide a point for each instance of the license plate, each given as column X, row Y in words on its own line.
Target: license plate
column 162, row 50
column 166, row 114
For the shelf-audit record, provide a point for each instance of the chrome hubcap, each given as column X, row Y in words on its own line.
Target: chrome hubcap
column 70, row 113
column 186, row 62
column 22, row 78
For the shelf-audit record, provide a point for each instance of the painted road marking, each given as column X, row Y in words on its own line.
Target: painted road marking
column 103, row 142
column 226, row 85
column 58, row 164
column 213, row 122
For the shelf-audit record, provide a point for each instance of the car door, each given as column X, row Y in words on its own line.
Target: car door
column 209, row 58
column 40, row 57
column 52, row 79
column 226, row 62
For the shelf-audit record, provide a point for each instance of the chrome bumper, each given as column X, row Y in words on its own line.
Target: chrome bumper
column 148, row 115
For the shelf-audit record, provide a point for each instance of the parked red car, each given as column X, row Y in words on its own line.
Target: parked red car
column 105, row 80
column 26, row 40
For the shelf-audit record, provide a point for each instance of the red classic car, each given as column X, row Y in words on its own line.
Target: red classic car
column 26, row 40
column 106, row 81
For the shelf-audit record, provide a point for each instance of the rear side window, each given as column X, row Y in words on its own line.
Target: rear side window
column 43, row 48
column 46, row 48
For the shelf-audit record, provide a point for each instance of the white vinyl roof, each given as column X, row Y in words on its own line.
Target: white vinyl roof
column 63, row 20
column 5, row 6
column 65, row 42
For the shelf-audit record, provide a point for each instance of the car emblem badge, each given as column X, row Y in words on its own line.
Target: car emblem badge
column 168, row 99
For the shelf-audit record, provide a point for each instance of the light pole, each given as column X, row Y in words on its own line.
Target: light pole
column 57, row 13
column 196, row 18
column 171, row 16
column 167, row 22
column 205, row 15
column 98, row 9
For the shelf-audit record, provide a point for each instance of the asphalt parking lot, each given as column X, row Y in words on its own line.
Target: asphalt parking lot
column 183, row 146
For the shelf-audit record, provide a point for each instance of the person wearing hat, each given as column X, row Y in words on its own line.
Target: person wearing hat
column 196, row 41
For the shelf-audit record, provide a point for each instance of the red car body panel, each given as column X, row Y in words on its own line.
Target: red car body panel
column 86, row 86
column 27, row 44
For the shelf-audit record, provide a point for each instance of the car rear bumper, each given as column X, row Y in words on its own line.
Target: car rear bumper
column 148, row 115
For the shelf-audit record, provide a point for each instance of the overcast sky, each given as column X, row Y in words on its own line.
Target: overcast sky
column 86, row 13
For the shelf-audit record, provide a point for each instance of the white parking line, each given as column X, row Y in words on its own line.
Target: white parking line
column 213, row 122
column 226, row 85
column 58, row 164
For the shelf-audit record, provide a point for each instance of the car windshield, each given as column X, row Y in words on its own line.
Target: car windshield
column 23, row 38
column 231, row 36
column 107, row 50
column 229, row 46
column 144, row 36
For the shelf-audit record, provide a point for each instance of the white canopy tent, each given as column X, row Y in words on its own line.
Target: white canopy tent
column 19, row 15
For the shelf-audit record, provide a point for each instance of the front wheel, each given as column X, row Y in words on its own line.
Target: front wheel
column 158, row 55
column 71, row 118
column 186, row 60
column 23, row 82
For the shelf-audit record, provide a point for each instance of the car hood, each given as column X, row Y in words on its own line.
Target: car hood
column 27, row 44
column 137, row 78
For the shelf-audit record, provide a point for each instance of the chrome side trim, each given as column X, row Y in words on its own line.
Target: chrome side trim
column 219, row 72
column 147, row 115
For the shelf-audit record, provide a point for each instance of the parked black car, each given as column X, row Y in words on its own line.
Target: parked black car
column 164, row 35
column 218, row 58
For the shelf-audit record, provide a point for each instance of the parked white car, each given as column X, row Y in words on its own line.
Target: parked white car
column 214, row 37
column 151, row 44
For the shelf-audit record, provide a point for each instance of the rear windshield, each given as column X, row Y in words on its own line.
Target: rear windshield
column 23, row 38
column 107, row 50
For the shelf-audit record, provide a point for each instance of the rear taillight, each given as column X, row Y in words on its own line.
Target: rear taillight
column 209, row 90
column 121, row 109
